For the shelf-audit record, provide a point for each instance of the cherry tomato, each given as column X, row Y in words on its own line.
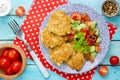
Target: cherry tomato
column 16, row 66
column 103, row 70
column 85, row 17
column 13, row 54
column 5, row 52
column 75, row 16
column 114, row 60
column 9, row 71
column 4, row 62
column 20, row 11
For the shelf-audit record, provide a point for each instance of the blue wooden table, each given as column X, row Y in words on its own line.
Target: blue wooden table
column 31, row 72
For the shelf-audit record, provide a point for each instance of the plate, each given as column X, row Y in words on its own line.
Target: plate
column 104, row 34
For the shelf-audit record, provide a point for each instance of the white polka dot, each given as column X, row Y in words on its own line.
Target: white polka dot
column 38, row 46
column 38, row 2
column 82, row 78
column 72, row 76
column 26, row 53
column 40, row 19
column 35, row 7
column 85, row 73
column 34, row 16
column 43, row 14
column 30, row 39
column 21, row 41
column 44, row 5
column 38, row 15
column 32, row 34
column 37, row 11
column 67, row 77
column 22, row 45
column 25, row 49
column 35, row 29
column 50, row 8
column 30, row 8
column 87, row 77
column 41, row 10
column 27, row 22
column 46, row 9
column 36, row 32
column 36, row 41
column 47, row 13
column 31, row 21
column 48, row 4
column 35, row 50
column 78, row 78
column 42, row 1
column 111, row 31
column 28, row 57
column 33, row 3
column 28, row 35
column 55, row 6
column 46, row 0
column 34, row 38
column 32, row 12
column 29, row 26
column 94, row 70
column 29, row 17
column 30, row 30
column 16, row 42
column 61, row 74
column 24, row 27
column 45, row 61
column 89, row 71
column 31, row 43
column 115, row 30
column 39, row 6
column 47, row 65
column 53, row 3
column 36, row 20
column 76, row 75
column 38, row 24
column 57, row 2
column 91, row 75
column 33, row 24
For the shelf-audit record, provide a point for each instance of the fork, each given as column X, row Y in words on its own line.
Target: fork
column 20, row 35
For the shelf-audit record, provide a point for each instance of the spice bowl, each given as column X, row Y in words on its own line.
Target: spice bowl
column 110, row 8
column 22, row 58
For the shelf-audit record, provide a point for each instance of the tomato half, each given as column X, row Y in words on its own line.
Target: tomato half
column 103, row 70
column 4, row 62
column 16, row 66
column 20, row 11
column 75, row 16
column 85, row 17
column 13, row 54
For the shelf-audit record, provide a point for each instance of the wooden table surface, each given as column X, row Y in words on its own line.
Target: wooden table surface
column 31, row 72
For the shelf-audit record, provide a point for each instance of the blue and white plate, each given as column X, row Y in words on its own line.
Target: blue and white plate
column 104, row 34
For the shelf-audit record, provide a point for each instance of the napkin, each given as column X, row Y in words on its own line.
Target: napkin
column 30, row 27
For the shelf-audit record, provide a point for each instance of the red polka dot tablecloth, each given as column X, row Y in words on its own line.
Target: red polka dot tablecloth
column 30, row 27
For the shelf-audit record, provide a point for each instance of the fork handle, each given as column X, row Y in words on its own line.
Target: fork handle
column 37, row 61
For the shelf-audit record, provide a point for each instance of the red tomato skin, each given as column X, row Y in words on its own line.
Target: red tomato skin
column 16, row 66
column 8, row 71
column 114, row 60
column 4, row 62
column 13, row 54
column 5, row 52
column 20, row 11
column 75, row 16
column 103, row 70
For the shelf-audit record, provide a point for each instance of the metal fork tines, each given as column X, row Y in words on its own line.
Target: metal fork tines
column 20, row 35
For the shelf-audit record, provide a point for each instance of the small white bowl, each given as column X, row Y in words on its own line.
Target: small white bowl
column 5, row 7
